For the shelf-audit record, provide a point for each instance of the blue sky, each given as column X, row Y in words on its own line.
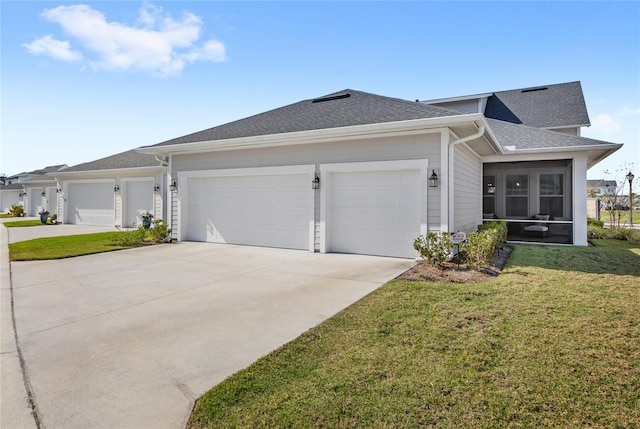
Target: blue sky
column 84, row 80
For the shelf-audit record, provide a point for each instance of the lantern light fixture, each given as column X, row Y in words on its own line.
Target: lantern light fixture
column 173, row 186
column 156, row 188
column 315, row 183
column 116, row 188
column 43, row 194
column 433, row 179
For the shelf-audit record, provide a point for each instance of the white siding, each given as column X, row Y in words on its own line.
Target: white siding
column 467, row 183
column 424, row 146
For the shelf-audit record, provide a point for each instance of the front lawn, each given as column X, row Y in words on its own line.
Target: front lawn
column 554, row 341
column 22, row 223
column 63, row 247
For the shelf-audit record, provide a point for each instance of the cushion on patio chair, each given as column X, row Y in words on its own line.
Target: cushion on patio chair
column 539, row 229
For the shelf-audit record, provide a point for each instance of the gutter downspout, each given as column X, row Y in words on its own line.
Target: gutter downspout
column 450, row 171
column 164, row 160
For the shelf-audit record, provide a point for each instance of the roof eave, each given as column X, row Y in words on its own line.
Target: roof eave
column 112, row 171
column 413, row 126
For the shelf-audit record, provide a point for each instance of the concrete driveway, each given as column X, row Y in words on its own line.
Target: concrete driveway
column 130, row 339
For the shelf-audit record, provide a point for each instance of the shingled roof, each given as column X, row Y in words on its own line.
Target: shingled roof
column 525, row 137
column 340, row 109
column 549, row 106
column 128, row 159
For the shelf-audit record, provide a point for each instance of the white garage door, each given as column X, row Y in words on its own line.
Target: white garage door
column 375, row 212
column 271, row 210
column 138, row 199
column 90, row 204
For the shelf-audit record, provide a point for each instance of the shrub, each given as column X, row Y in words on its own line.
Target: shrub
column 594, row 222
column 159, row 231
column 627, row 234
column 129, row 238
column 16, row 210
column 435, row 247
column 481, row 247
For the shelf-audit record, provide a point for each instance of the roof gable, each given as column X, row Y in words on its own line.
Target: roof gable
column 550, row 106
column 340, row 109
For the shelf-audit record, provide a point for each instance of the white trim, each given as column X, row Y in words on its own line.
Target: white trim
column 579, row 198
column 115, row 171
column 183, row 190
column 326, row 170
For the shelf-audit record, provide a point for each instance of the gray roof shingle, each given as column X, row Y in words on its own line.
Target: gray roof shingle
column 340, row 109
column 525, row 137
column 128, row 159
column 550, row 106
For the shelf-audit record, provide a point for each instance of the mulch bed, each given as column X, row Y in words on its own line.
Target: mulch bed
column 451, row 272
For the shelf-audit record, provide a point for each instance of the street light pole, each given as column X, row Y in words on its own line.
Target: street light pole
column 630, row 178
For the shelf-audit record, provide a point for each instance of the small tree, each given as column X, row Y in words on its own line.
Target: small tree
column 615, row 202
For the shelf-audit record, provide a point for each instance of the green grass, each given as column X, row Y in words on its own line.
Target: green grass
column 554, row 341
column 22, row 223
column 63, row 247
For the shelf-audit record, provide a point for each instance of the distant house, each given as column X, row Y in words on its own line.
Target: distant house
column 356, row 172
column 34, row 190
column 602, row 187
column 111, row 191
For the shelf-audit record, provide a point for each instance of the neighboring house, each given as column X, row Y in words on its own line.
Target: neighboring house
column 356, row 172
column 34, row 190
column 602, row 187
column 111, row 191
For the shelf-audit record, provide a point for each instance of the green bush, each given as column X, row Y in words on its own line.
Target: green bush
column 16, row 210
column 435, row 247
column 130, row 238
column 159, row 231
column 594, row 222
column 480, row 247
column 627, row 234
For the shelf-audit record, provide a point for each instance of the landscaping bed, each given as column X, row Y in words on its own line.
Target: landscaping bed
column 456, row 272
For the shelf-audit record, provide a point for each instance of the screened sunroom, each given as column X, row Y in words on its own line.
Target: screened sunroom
column 534, row 197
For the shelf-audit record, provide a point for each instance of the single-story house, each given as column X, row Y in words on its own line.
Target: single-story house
column 356, row 172
column 111, row 191
column 34, row 190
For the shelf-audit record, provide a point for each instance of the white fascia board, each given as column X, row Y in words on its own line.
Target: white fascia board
column 115, row 171
column 609, row 147
column 565, row 126
column 553, row 153
column 398, row 128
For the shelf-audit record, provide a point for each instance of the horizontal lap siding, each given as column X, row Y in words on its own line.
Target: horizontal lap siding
column 378, row 149
column 467, row 189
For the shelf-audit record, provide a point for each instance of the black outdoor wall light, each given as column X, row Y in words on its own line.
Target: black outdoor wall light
column 433, row 179
column 156, row 188
column 116, row 188
column 43, row 194
column 173, row 186
column 315, row 183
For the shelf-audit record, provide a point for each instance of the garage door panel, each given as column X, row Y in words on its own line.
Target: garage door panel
column 375, row 212
column 90, row 204
column 263, row 210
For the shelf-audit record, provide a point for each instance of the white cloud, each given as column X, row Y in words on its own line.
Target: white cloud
column 51, row 47
column 158, row 43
